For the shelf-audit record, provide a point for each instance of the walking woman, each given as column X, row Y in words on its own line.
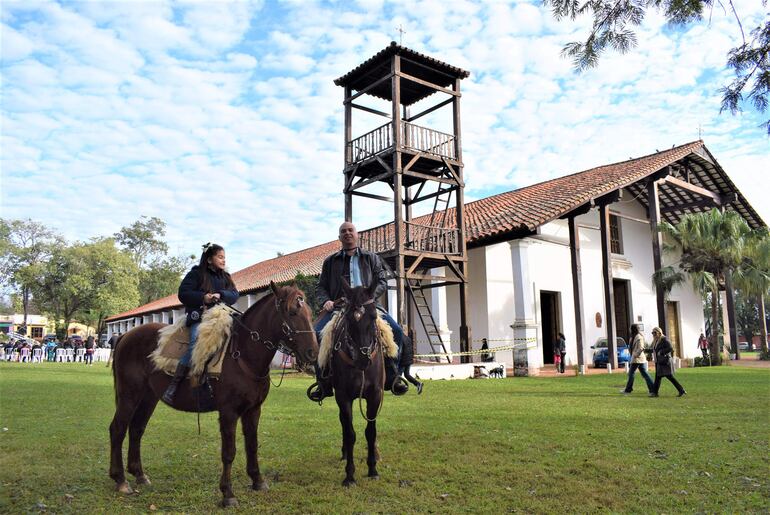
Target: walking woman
column 205, row 284
column 662, row 350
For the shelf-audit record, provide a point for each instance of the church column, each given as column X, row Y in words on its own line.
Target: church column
column 577, row 290
column 657, row 244
column 524, row 324
column 609, row 292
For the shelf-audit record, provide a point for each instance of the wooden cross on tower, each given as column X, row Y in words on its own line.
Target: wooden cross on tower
column 401, row 33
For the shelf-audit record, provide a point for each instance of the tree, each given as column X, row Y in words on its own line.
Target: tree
column 613, row 27
column 159, row 274
column 753, row 277
column 87, row 281
column 309, row 285
column 143, row 239
column 161, row 278
column 710, row 246
column 24, row 246
column 747, row 316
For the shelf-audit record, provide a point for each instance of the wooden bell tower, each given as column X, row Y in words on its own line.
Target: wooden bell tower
column 422, row 169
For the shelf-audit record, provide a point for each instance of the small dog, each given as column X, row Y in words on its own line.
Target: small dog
column 497, row 372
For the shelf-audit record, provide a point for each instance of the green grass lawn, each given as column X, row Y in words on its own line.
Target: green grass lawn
column 487, row 446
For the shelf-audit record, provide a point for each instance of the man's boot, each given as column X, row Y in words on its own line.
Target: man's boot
column 393, row 380
column 322, row 388
column 181, row 373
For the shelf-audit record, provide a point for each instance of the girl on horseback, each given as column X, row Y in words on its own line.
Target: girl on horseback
column 205, row 285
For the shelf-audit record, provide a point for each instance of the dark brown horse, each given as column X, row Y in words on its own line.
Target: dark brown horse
column 358, row 371
column 281, row 321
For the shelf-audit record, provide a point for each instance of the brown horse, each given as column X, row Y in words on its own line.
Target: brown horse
column 358, row 371
column 281, row 321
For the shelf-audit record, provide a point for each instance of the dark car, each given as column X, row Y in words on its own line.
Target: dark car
column 601, row 356
column 76, row 338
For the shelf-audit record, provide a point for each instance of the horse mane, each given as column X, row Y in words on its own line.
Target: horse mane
column 293, row 294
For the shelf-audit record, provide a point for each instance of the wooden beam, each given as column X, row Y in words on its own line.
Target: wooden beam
column 370, row 180
column 428, row 277
column 414, row 265
column 580, row 210
column 609, row 290
column 385, row 165
column 401, row 299
column 446, row 281
column 426, row 176
column 608, row 198
column 371, row 86
column 577, row 287
column 657, row 245
column 369, row 110
column 347, row 152
column 687, row 206
column 371, row 195
column 429, row 110
column 452, row 172
column 431, row 195
column 411, row 162
column 697, row 190
column 428, row 84
column 431, row 69
column 459, row 273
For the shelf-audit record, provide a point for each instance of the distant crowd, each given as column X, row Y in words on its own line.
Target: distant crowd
column 72, row 349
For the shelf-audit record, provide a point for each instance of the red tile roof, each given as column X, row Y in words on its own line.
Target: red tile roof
column 487, row 219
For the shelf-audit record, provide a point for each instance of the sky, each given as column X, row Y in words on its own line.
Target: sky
column 222, row 119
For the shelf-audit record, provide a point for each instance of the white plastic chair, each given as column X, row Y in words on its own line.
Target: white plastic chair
column 24, row 355
column 37, row 356
column 69, row 355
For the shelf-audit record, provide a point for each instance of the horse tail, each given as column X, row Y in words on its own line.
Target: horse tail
column 114, row 372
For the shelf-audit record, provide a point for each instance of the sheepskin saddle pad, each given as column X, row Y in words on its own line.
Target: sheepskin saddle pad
column 384, row 330
column 213, row 336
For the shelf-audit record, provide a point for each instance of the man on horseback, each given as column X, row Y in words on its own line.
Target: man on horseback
column 359, row 268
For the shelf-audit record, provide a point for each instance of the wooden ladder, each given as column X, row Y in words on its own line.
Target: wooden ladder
column 426, row 319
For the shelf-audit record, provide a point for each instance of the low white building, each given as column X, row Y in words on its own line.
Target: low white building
column 525, row 266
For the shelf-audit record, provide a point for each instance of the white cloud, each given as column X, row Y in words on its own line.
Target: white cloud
column 222, row 119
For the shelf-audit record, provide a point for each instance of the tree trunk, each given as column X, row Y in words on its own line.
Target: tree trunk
column 715, row 351
column 25, row 304
column 762, row 324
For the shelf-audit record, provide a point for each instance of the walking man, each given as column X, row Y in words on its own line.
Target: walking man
column 638, row 361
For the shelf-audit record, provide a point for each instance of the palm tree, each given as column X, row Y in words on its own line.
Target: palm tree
column 710, row 246
column 753, row 275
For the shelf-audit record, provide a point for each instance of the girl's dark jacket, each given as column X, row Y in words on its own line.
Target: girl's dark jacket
column 663, row 352
column 191, row 292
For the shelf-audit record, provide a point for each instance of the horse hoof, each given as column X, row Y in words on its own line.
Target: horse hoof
column 374, row 477
column 143, row 480
column 124, row 488
column 229, row 502
column 261, row 486
column 348, row 483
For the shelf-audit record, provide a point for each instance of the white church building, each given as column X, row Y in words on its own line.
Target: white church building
column 573, row 255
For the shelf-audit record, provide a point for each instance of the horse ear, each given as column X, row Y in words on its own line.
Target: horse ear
column 346, row 288
column 274, row 288
column 372, row 289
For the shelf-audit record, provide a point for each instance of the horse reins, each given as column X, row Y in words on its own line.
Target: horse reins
column 369, row 351
column 288, row 331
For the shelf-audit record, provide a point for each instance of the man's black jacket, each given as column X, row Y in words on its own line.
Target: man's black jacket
column 330, row 282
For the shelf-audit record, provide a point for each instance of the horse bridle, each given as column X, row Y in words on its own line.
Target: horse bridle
column 344, row 336
column 287, row 329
